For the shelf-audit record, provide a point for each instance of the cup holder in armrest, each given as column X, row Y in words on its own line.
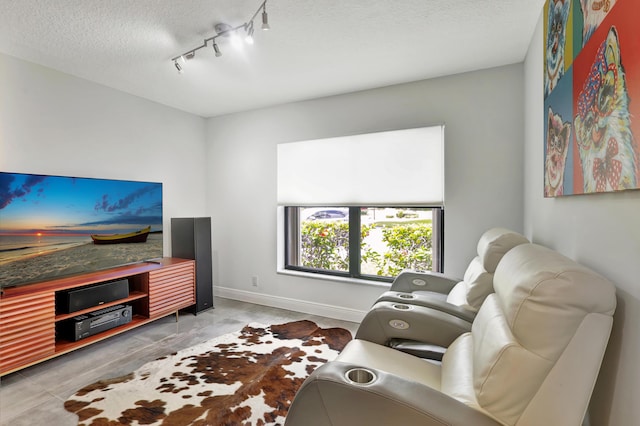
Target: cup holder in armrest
column 360, row 376
column 401, row 307
column 407, row 296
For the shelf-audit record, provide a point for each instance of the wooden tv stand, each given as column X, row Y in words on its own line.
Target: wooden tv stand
column 28, row 314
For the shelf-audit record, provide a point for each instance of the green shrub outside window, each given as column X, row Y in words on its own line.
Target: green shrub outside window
column 389, row 242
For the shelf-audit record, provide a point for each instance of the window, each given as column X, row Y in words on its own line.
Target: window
column 363, row 242
column 375, row 177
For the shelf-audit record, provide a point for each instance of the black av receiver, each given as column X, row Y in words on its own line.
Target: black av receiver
column 86, row 325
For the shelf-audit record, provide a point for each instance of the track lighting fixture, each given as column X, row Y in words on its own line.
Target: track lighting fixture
column 225, row 30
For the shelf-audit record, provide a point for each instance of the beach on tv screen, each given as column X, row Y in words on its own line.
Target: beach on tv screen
column 56, row 226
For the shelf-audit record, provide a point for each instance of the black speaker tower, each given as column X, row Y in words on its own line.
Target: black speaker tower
column 191, row 239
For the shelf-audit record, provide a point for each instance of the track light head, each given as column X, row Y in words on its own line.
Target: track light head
column 265, row 19
column 217, row 50
column 178, row 66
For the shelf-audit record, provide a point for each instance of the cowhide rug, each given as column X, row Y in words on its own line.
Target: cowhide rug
column 245, row 378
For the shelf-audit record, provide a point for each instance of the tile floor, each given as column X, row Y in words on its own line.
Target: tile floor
column 35, row 396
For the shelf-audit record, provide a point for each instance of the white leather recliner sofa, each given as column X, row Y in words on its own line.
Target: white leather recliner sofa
column 424, row 312
column 531, row 358
column 464, row 297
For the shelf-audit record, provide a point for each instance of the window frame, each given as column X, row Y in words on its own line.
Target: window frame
column 292, row 246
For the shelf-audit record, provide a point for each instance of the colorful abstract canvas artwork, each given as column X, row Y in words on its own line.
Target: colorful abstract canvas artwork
column 591, row 96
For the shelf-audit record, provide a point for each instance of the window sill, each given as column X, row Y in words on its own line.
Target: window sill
column 323, row 277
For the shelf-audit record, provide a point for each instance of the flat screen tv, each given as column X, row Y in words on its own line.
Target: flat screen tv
column 57, row 226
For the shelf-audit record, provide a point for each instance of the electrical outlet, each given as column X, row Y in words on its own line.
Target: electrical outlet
column 254, row 281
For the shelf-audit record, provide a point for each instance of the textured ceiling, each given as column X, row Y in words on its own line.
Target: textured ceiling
column 315, row 47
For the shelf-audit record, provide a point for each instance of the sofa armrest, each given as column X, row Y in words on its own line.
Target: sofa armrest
column 328, row 397
column 419, row 349
column 436, row 302
column 388, row 320
column 409, row 281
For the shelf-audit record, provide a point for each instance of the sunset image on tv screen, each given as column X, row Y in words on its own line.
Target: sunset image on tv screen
column 53, row 226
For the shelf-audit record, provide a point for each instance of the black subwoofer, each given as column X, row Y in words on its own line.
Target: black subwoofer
column 191, row 239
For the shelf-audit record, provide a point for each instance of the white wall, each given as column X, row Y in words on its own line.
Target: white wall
column 53, row 123
column 600, row 231
column 483, row 115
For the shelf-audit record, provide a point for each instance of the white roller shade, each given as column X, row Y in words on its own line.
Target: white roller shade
column 402, row 167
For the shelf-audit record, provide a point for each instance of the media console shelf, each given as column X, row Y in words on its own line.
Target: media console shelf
column 28, row 314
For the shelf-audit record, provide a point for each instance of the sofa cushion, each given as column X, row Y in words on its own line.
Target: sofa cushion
column 478, row 278
column 474, row 288
column 457, row 371
column 458, row 296
column 495, row 243
column 545, row 296
column 502, row 386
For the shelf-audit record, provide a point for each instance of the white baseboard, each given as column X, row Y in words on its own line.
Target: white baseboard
column 304, row 306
